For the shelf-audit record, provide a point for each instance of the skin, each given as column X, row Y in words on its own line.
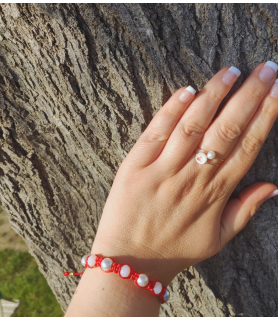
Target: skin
column 165, row 212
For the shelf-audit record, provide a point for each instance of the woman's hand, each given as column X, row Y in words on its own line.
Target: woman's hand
column 165, row 212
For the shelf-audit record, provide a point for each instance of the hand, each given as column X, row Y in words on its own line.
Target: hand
column 165, row 212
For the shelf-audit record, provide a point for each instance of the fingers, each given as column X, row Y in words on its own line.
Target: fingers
column 223, row 134
column 152, row 141
column 239, row 211
column 196, row 119
column 248, row 146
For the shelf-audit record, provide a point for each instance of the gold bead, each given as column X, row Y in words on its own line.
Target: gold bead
column 71, row 273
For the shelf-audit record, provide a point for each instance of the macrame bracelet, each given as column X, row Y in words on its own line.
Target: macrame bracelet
column 125, row 272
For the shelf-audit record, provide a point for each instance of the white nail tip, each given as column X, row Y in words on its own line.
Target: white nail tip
column 273, row 65
column 190, row 89
column 276, row 80
column 235, row 70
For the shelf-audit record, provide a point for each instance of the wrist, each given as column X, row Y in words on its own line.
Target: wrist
column 106, row 294
column 142, row 261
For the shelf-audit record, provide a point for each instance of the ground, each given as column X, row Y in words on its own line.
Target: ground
column 9, row 238
column 26, row 283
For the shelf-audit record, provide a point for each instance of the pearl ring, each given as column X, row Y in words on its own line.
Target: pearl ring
column 203, row 157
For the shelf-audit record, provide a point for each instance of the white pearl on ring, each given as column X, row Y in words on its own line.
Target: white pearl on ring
column 211, row 154
column 106, row 264
column 143, row 280
column 201, row 158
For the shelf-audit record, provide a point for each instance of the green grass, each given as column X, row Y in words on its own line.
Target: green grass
column 21, row 279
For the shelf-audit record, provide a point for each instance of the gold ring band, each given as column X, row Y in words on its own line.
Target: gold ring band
column 206, row 152
column 213, row 164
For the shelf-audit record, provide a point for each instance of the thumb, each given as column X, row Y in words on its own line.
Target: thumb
column 239, row 211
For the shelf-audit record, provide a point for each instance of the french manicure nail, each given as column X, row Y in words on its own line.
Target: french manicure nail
column 231, row 75
column 274, row 89
column 272, row 194
column 187, row 94
column 268, row 71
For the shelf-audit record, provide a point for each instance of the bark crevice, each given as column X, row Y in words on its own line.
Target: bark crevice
column 79, row 83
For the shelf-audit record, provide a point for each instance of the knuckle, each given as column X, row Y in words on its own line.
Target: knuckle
column 251, row 144
column 270, row 110
column 172, row 111
column 156, row 131
column 215, row 95
column 218, row 190
column 191, row 129
column 155, row 136
column 228, row 132
column 253, row 94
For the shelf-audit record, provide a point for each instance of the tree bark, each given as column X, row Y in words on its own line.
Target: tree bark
column 79, row 83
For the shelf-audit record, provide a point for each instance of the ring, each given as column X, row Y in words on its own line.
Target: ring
column 203, row 157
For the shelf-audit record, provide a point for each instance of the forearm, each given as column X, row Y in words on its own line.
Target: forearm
column 106, row 294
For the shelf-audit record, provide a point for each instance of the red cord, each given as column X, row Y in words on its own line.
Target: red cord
column 73, row 273
column 116, row 268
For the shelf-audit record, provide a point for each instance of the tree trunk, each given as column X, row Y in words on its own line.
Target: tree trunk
column 78, row 85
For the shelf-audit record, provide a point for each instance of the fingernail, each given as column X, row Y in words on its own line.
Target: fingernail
column 274, row 89
column 268, row 71
column 272, row 194
column 187, row 94
column 231, row 75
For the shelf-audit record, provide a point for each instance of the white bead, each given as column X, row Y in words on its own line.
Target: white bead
column 125, row 271
column 106, row 264
column 166, row 296
column 83, row 261
column 143, row 280
column 211, row 155
column 201, row 158
column 157, row 288
column 91, row 260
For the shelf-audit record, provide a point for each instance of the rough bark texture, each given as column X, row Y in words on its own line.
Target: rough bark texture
column 78, row 85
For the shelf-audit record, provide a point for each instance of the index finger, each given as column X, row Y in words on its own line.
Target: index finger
column 152, row 141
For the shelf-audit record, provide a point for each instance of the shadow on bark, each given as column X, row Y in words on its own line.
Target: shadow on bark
column 78, row 85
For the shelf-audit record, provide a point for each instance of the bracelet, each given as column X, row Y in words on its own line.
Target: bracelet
column 125, row 272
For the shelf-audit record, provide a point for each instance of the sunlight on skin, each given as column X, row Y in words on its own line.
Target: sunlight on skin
column 160, row 177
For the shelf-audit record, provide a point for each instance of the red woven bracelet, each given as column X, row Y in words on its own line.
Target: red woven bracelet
column 125, row 272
